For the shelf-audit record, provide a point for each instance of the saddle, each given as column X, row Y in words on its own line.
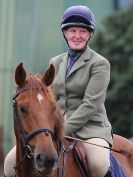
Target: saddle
column 80, row 155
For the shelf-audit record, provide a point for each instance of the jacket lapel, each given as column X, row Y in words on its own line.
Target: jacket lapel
column 62, row 68
column 81, row 61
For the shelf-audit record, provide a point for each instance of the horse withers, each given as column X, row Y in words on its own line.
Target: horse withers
column 38, row 126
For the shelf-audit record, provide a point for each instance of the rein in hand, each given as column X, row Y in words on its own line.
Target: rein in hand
column 120, row 151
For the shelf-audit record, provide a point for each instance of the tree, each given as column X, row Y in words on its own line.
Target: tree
column 115, row 42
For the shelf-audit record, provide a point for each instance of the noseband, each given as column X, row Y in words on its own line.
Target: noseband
column 26, row 137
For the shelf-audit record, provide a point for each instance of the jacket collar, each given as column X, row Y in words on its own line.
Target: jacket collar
column 78, row 64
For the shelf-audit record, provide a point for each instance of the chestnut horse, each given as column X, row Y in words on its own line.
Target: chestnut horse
column 38, row 126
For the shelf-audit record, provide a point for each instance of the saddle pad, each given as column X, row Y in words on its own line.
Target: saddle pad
column 116, row 168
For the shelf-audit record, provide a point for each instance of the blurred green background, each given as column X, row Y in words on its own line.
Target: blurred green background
column 30, row 33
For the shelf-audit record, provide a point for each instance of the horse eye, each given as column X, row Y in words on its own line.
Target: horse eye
column 23, row 109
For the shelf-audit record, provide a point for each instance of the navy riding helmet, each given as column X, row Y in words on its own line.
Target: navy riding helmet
column 80, row 16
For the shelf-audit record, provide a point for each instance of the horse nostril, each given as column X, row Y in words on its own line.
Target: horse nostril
column 46, row 161
column 49, row 162
column 40, row 160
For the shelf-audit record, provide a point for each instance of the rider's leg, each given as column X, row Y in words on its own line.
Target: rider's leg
column 9, row 163
column 97, row 157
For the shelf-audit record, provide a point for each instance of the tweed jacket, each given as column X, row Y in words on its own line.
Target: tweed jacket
column 81, row 95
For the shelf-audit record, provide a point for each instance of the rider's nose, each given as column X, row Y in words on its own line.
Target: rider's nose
column 77, row 35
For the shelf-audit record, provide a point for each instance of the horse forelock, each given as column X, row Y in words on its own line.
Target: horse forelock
column 35, row 86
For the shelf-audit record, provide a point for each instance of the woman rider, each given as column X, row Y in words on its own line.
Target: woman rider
column 80, row 85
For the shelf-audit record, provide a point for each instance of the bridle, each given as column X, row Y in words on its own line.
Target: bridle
column 26, row 137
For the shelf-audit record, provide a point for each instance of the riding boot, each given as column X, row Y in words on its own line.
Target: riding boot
column 108, row 174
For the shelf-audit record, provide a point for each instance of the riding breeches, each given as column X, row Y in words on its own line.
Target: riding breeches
column 10, row 162
column 97, row 157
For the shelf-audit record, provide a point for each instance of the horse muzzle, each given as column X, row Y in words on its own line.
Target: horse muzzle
column 46, row 164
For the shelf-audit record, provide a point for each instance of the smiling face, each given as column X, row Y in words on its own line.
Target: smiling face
column 77, row 37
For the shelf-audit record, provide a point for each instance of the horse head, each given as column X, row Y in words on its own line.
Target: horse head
column 38, row 122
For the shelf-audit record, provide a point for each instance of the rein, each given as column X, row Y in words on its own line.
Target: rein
column 120, row 151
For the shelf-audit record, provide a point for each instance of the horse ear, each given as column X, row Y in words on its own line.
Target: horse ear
column 20, row 75
column 49, row 75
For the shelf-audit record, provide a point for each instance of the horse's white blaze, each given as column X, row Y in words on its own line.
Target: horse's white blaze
column 40, row 97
